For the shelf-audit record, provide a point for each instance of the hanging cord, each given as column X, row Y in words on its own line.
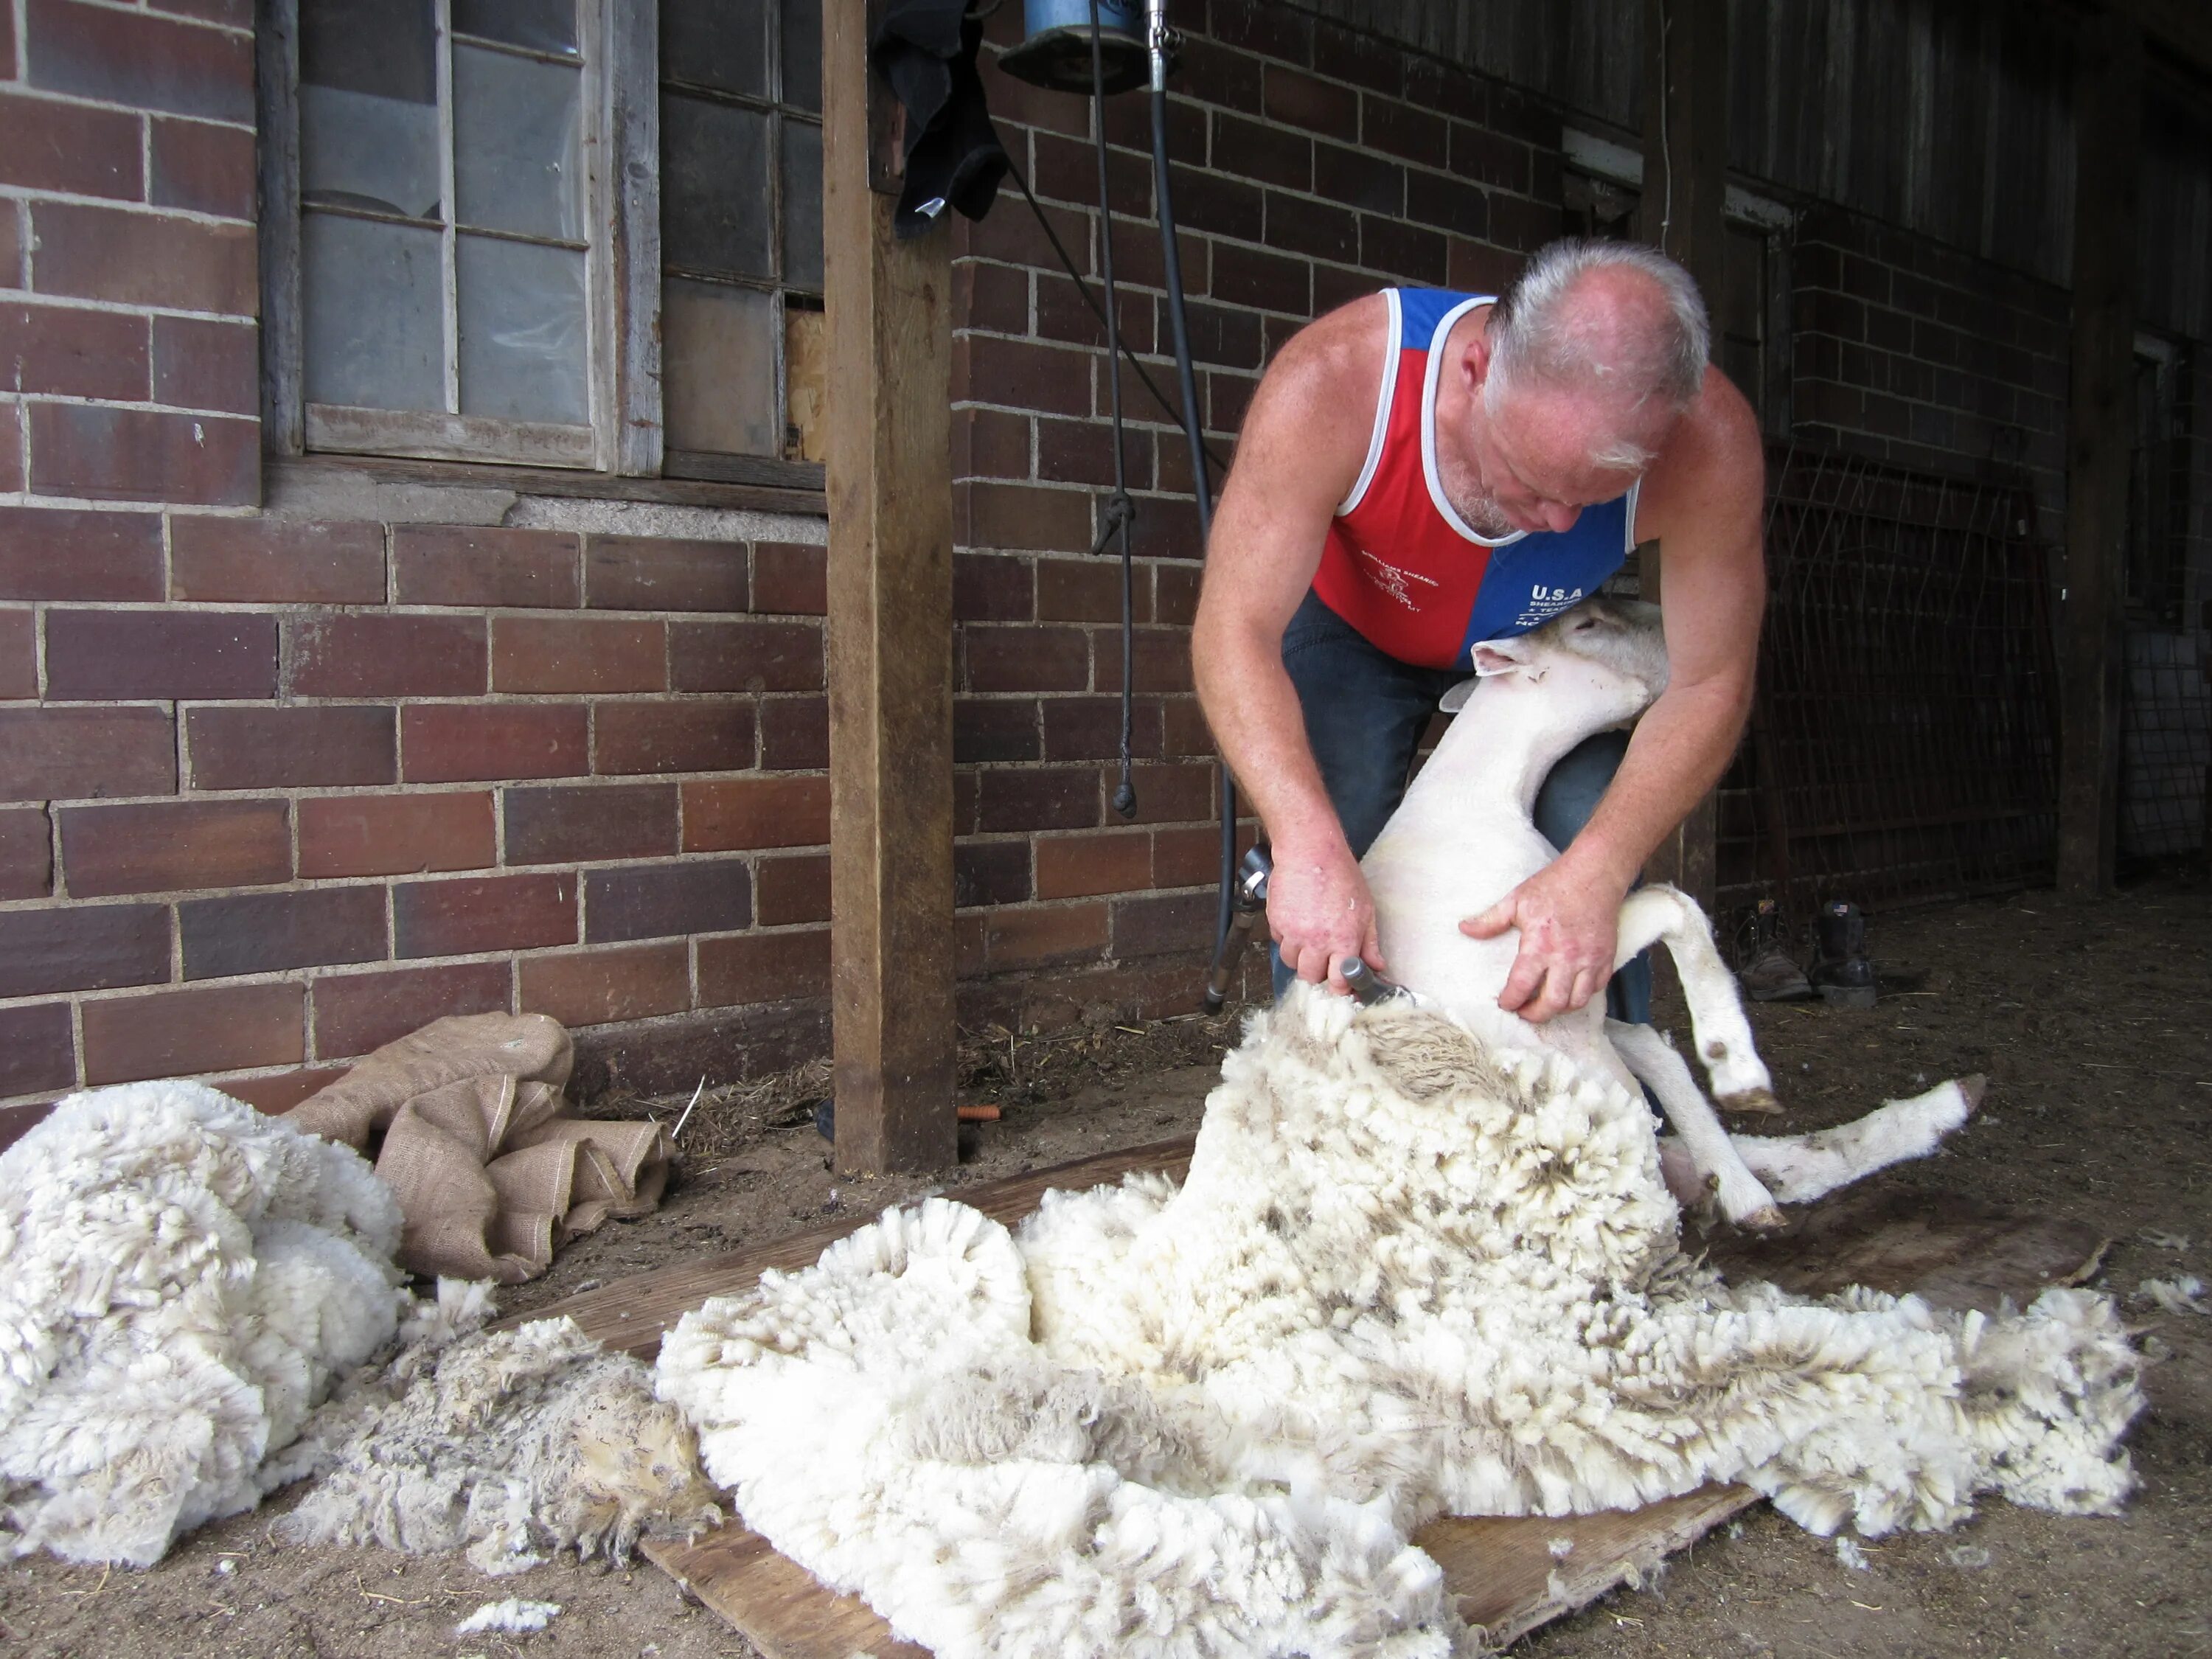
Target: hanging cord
column 1120, row 515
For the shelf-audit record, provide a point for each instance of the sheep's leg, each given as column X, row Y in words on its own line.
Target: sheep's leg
column 1661, row 913
column 1802, row 1167
column 1712, row 1151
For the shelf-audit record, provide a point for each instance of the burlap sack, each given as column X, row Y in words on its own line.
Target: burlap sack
column 489, row 1175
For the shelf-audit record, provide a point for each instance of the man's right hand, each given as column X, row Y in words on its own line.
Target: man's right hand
column 1319, row 911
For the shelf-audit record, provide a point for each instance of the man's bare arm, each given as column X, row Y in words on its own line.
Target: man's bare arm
column 1304, row 441
column 1702, row 501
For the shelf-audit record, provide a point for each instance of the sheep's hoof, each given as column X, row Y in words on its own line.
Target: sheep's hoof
column 1766, row 1218
column 1973, row 1087
column 1749, row 1102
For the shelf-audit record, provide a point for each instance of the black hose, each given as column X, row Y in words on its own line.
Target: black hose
column 1121, row 511
column 1187, row 384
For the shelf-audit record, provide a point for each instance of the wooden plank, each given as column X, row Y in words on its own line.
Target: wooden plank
column 775, row 1602
column 889, row 476
column 632, row 1315
column 632, row 234
column 2100, row 428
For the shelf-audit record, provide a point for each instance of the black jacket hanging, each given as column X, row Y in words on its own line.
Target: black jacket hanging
column 926, row 50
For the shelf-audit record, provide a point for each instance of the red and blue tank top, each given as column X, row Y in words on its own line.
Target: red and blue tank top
column 1401, row 566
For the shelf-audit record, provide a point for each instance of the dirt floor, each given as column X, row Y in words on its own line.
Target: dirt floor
column 2095, row 1025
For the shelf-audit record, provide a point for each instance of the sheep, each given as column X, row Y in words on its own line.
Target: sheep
column 1463, row 838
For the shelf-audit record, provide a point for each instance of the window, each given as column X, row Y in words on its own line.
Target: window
column 491, row 225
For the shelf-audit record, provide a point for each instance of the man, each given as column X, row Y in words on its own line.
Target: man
column 1420, row 471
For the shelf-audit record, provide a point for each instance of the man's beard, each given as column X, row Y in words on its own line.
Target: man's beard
column 1484, row 516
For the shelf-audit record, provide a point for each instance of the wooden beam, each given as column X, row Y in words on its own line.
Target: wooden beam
column 1685, row 97
column 2101, row 427
column 889, row 482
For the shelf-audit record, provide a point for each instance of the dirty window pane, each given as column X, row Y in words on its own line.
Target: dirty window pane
column 802, row 206
column 368, row 106
column 722, row 44
column 386, row 48
column 516, row 161
column 714, row 201
column 544, row 25
column 524, row 345
column 802, row 53
column 372, row 295
column 718, row 352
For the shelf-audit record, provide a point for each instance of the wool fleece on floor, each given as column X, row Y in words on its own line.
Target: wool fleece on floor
column 1415, row 1269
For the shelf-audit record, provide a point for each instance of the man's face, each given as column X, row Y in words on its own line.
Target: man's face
column 1532, row 450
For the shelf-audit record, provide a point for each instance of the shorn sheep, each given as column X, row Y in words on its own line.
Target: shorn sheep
column 1422, row 1264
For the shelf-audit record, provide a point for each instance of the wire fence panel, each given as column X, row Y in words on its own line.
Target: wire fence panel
column 1904, row 744
column 2166, row 730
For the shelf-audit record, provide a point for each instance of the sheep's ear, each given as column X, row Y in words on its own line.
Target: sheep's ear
column 1455, row 698
column 1499, row 657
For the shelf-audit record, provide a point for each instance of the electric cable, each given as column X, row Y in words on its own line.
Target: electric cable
column 1121, row 513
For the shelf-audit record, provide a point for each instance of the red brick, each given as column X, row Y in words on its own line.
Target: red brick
column 1039, row 798
column 1358, row 179
column 1320, row 230
column 307, row 745
column 1185, row 857
column 659, row 901
column 1307, row 100
column 143, row 258
column 1086, row 590
column 1247, row 277
column 1026, row 659
column 1178, row 793
column 482, row 913
column 1154, row 926
column 11, row 414
column 19, row 653
column 598, row 987
column 1413, row 251
column 780, row 967
column 388, row 656
column 1082, row 451
column 82, row 754
column 66, row 352
column 1163, row 659
column 792, row 889
column 990, row 443
column 993, row 729
column 1041, row 937
column 672, row 737
column 576, row 653
column 37, row 1052
column 46, row 145
column 83, row 947
column 643, row 572
column 27, row 854
column 465, row 742
column 791, row 579
column 1248, row 149
column 1175, row 594
column 50, row 555
column 201, row 363
column 160, row 653
column 210, row 1028
column 449, row 564
column 395, row 834
column 1078, row 866
column 1021, row 517
column 264, row 932
column 278, row 1092
column 276, row 562
column 746, row 656
column 1090, row 728
column 561, row 824
column 738, row 814
column 990, row 872
column 235, row 14
column 990, row 368
column 208, row 169
column 794, row 733
column 145, row 455
column 163, row 847
column 355, row 1014
column 992, row 587
column 139, row 60
column 993, row 297
column 12, row 246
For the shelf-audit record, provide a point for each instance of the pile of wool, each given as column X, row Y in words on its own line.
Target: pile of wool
column 1414, row 1270
column 515, row 1443
column 181, row 1279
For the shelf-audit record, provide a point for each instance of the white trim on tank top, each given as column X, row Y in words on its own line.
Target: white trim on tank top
column 1393, row 344
column 1444, row 508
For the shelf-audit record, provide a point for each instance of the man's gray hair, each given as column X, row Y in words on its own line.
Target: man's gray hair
column 1538, row 337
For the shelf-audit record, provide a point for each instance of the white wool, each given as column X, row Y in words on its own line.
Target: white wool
column 1409, row 1273
column 514, row 1618
column 1849, row 1553
column 513, row 1443
column 2182, row 1294
column 180, row 1279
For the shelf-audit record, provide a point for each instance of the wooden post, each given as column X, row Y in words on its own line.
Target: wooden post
column 1685, row 96
column 2099, row 431
column 890, row 470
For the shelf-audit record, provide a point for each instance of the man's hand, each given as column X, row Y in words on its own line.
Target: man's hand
column 1569, row 925
column 1320, row 912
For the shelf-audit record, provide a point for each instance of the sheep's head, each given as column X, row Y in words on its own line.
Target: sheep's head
column 1611, row 652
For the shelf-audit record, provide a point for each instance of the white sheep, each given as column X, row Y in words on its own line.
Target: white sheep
column 1464, row 837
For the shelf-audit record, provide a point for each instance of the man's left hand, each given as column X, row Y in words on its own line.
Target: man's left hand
column 1569, row 924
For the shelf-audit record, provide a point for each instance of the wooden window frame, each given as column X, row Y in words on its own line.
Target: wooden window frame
column 622, row 150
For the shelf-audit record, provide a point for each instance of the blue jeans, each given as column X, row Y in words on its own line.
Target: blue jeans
column 1365, row 712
